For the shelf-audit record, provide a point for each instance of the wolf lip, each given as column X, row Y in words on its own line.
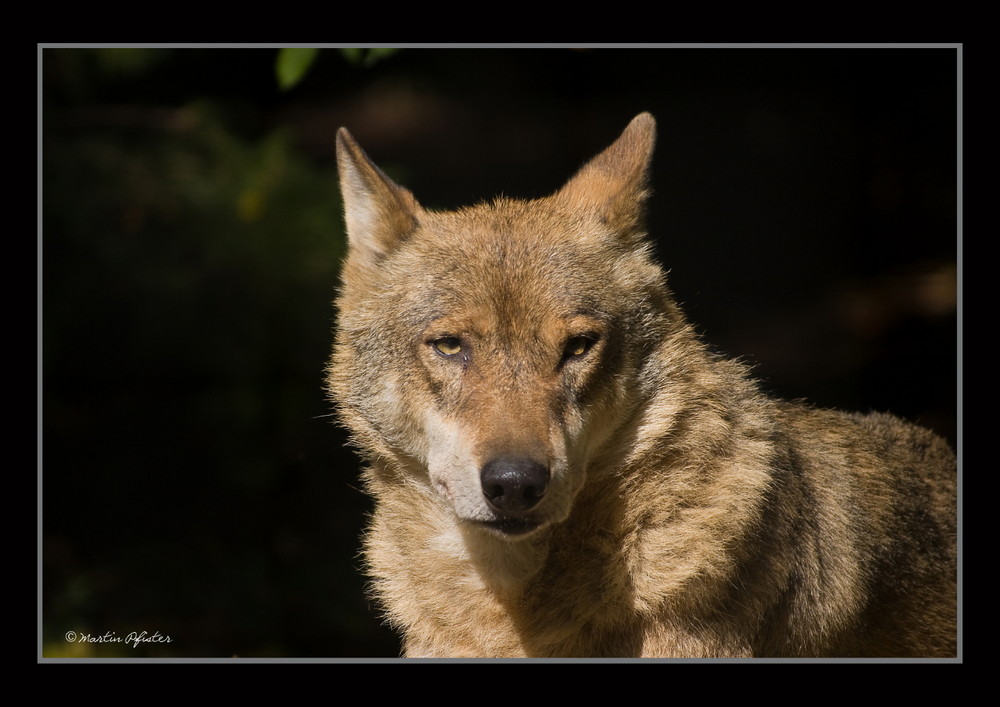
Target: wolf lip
column 512, row 526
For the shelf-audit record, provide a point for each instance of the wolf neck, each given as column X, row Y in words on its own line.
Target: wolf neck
column 519, row 589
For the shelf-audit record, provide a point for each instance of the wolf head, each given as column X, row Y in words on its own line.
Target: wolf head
column 490, row 357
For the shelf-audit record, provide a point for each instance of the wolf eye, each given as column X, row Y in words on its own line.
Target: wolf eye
column 447, row 345
column 577, row 346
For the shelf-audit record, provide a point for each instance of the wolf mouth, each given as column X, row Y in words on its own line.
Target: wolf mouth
column 511, row 527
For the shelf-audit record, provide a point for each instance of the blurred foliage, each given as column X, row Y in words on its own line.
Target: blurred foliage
column 367, row 57
column 125, row 62
column 193, row 482
column 80, row 73
column 192, row 219
column 292, row 64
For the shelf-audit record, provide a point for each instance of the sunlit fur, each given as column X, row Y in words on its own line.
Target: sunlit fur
column 686, row 514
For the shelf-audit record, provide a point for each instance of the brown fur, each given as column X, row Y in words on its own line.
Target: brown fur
column 561, row 468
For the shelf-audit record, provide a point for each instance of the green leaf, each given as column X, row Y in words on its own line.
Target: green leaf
column 352, row 54
column 292, row 64
column 359, row 56
column 378, row 53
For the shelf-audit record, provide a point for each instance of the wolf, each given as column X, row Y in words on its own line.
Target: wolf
column 561, row 468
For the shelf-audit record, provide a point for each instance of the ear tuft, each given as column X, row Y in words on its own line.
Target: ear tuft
column 613, row 184
column 378, row 212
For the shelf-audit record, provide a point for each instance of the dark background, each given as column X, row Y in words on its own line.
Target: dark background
column 193, row 481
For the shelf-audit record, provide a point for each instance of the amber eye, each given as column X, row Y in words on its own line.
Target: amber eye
column 578, row 346
column 447, row 345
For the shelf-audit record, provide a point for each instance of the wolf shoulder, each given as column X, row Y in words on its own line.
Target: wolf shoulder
column 894, row 476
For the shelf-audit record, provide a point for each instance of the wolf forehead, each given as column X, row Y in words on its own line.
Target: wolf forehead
column 493, row 272
column 497, row 241
column 582, row 249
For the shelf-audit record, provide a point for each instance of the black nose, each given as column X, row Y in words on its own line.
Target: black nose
column 514, row 484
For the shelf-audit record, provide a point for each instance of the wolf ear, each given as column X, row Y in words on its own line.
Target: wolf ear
column 377, row 211
column 613, row 184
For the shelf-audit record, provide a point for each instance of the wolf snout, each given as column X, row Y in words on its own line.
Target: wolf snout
column 514, row 484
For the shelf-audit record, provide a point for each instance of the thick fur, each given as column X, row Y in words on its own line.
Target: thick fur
column 561, row 468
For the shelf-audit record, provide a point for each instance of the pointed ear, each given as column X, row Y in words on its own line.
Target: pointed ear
column 378, row 212
column 613, row 184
